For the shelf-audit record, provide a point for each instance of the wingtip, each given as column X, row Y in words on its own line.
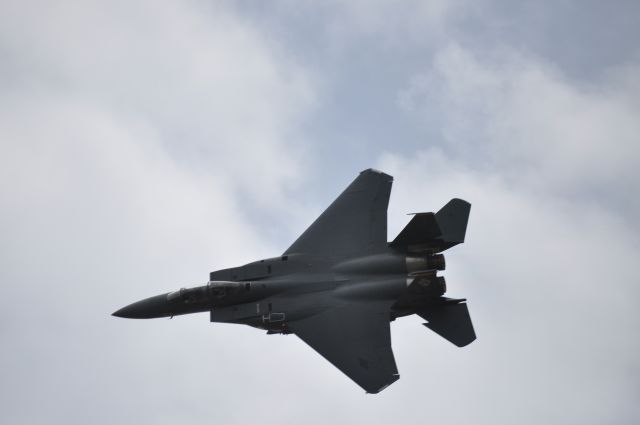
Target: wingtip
column 394, row 378
column 376, row 171
column 460, row 201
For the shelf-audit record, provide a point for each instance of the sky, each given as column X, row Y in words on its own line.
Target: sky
column 144, row 144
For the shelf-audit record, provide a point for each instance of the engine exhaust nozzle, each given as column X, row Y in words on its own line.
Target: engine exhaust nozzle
column 429, row 262
column 436, row 262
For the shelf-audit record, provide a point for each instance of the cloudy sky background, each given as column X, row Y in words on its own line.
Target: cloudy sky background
column 144, row 144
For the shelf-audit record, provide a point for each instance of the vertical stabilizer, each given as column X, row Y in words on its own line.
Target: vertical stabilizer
column 452, row 220
column 435, row 232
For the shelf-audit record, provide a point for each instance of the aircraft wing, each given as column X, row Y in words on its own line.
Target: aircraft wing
column 355, row 338
column 356, row 221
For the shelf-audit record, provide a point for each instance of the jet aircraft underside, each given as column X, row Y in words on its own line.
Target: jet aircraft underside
column 341, row 283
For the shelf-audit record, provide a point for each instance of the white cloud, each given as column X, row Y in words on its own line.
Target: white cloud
column 131, row 136
column 548, row 264
column 208, row 83
column 551, row 286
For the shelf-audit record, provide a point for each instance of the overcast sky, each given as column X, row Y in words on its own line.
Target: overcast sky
column 144, row 144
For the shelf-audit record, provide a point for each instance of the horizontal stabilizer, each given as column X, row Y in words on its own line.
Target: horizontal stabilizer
column 435, row 232
column 450, row 321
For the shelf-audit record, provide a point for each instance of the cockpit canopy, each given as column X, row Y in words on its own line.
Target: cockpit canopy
column 213, row 290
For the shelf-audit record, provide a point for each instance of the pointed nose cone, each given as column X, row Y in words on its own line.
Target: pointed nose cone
column 149, row 308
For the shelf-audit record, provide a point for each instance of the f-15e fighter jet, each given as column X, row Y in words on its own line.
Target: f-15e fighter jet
column 341, row 283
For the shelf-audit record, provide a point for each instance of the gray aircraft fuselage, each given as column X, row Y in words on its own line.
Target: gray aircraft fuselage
column 340, row 284
column 291, row 287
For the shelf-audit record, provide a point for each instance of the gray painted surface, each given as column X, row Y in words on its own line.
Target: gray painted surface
column 340, row 284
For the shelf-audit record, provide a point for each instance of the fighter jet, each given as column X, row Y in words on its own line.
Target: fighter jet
column 341, row 283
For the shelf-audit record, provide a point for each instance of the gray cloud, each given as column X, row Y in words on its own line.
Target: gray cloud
column 521, row 116
column 552, row 307
column 143, row 145
column 548, row 166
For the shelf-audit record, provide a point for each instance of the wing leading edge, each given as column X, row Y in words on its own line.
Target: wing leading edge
column 356, row 338
column 356, row 221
